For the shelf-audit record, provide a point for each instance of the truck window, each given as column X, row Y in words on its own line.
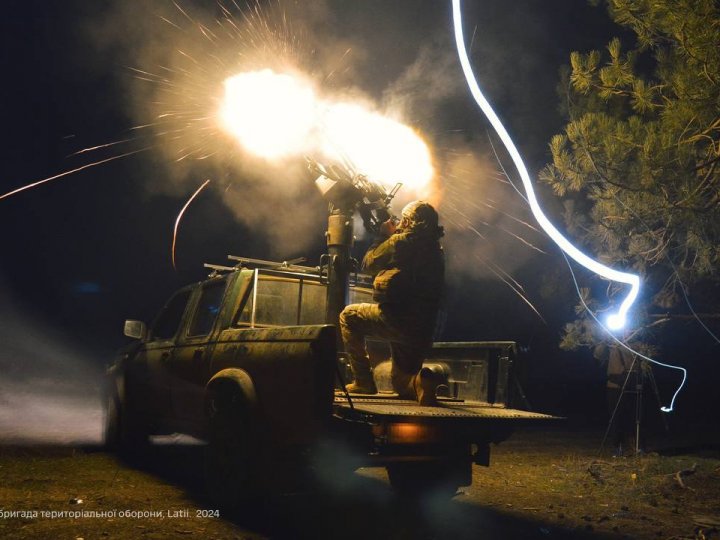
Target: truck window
column 277, row 302
column 208, row 308
column 313, row 303
column 168, row 321
column 289, row 301
column 285, row 302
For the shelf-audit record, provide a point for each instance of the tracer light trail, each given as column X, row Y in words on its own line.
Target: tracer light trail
column 68, row 173
column 179, row 218
column 627, row 348
column 616, row 320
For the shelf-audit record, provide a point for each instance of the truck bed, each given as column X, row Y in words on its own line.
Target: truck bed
column 390, row 406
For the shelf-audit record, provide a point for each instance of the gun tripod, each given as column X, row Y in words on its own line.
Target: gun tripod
column 639, row 373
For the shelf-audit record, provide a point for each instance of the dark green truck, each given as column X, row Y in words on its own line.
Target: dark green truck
column 246, row 361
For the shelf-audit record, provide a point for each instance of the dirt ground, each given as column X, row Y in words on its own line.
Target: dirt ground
column 541, row 484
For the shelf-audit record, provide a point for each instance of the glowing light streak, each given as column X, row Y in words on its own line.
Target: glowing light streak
column 68, row 173
column 616, row 320
column 677, row 275
column 179, row 218
column 626, row 347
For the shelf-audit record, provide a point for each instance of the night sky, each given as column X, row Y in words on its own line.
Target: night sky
column 83, row 253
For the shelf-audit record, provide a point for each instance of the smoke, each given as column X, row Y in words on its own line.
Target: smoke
column 177, row 57
column 369, row 54
column 49, row 391
column 490, row 229
column 289, row 214
column 433, row 80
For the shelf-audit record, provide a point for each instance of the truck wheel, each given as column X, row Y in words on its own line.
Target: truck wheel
column 231, row 461
column 125, row 433
column 134, row 435
column 414, row 479
column 112, row 422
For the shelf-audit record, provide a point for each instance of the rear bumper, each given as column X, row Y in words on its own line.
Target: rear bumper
column 389, row 430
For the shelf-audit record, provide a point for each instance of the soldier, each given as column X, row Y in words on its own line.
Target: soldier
column 408, row 266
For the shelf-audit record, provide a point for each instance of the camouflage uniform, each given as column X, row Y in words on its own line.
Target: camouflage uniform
column 409, row 273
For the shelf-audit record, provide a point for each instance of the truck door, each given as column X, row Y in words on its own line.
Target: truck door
column 190, row 365
column 150, row 372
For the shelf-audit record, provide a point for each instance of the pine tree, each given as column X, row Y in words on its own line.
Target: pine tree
column 639, row 158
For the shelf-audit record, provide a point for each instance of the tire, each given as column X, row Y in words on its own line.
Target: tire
column 134, row 434
column 125, row 432
column 112, row 422
column 232, row 464
column 416, row 479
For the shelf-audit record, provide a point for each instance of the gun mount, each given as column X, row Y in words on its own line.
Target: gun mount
column 346, row 193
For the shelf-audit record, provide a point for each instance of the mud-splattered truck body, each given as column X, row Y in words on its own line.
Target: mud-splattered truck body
column 245, row 361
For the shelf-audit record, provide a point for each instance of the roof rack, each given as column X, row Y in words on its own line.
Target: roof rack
column 246, row 262
column 217, row 269
column 274, row 265
column 290, row 266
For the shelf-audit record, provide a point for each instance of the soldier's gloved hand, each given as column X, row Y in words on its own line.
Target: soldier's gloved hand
column 388, row 228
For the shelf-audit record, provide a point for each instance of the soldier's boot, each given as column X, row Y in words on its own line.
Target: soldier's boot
column 364, row 382
column 403, row 383
column 426, row 384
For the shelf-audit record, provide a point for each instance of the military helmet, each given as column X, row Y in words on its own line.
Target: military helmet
column 420, row 213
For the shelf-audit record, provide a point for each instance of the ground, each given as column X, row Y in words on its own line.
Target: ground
column 541, row 484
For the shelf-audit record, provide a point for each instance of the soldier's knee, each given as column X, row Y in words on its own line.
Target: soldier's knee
column 348, row 316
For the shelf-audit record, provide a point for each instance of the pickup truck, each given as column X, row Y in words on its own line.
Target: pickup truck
column 246, row 362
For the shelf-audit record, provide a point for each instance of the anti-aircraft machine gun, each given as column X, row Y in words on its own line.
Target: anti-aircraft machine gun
column 346, row 193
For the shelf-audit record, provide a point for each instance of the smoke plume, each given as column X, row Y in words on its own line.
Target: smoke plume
column 183, row 54
column 49, row 391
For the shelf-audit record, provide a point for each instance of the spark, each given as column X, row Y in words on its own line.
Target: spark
column 170, row 23
column 504, row 172
column 98, row 147
column 456, row 194
column 467, row 223
column 514, row 218
column 521, row 239
column 616, row 320
column 181, row 10
column 179, row 218
column 497, row 270
column 473, row 229
column 334, row 70
column 68, row 173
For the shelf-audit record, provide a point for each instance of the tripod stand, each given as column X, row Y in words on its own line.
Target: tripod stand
column 634, row 381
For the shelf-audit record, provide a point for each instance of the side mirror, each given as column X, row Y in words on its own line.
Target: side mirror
column 135, row 329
